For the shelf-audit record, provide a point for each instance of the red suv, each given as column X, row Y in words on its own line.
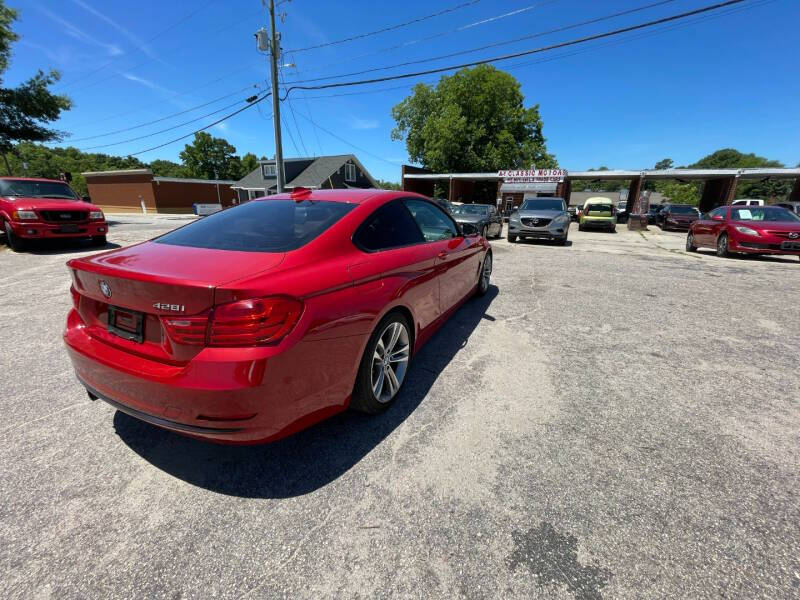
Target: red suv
column 32, row 209
column 747, row 230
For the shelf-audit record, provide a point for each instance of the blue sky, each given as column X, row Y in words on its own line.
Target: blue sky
column 679, row 92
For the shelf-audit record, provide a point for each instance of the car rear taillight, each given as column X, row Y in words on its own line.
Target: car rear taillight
column 254, row 322
column 187, row 330
column 76, row 297
column 251, row 322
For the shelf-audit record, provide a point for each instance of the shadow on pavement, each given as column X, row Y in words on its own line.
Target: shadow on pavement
column 66, row 247
column 311, row 458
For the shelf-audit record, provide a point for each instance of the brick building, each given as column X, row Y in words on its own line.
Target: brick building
column 130, row 190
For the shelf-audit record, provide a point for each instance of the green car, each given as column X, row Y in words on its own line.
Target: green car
column 599, row 213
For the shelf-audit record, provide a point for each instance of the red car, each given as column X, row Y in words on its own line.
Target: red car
column 746, row 230
column 34, row 209
column 252, row 323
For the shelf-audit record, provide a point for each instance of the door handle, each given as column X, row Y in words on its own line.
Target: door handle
column 443, row 254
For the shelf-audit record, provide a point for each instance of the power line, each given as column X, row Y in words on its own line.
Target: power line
column 385, row 29
column 504, row 57
column 210, row 125
column 640, row 26
column 180, row 21
column 183, row 112
column 294, row 119
column 171, row 96
column 341, row 139
column 179, row 125
column 494, row 45
column 430, row 37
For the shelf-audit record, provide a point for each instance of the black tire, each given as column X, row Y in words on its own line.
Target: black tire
column 563, row 240
column 98, row 240
column 363, row 399
column 614, row 229
column 690, row 247
column 581, row 227
column 499, row 232
column 16, row 243
column 512, row 238
column 722, row 246
column 485, row 278
column 484, row 231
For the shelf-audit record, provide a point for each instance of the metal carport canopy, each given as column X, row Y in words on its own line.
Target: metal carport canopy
column 647, row 174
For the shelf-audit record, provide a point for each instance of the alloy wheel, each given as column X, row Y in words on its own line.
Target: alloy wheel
column 486, row 272
column 390, row 362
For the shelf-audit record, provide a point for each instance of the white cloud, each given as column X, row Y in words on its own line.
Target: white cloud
column 147, row 83
column 358, row 123
column 79, row 34
column 124, row 31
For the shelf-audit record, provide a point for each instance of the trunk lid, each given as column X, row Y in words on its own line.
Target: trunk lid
column 159, row 281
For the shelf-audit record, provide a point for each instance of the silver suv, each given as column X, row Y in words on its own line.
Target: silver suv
column 540, row 218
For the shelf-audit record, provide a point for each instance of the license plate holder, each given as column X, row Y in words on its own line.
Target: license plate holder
column 70, row 229
column 125, row 323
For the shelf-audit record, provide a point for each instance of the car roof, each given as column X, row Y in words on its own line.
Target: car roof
column 598, row 200
column 12, row 178
column 351, row 196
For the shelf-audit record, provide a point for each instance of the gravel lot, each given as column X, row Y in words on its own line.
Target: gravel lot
column 615, row 418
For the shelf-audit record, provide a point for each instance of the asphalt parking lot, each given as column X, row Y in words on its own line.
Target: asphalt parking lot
column 615, row 418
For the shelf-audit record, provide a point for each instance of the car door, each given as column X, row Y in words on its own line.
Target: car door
column 457, row 256
column 718, row 224
column 395, row 256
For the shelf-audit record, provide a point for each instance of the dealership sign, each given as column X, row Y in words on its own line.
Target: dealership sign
column 532, row 175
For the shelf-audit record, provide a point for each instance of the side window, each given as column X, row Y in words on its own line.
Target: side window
column 492, row 211
column 390, row 226
column 435, row 225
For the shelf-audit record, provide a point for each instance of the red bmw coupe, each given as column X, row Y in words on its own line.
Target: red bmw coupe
column 252, row 323
column 746, row 230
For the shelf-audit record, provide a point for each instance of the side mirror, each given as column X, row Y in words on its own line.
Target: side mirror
column 469, row 229
column 717, row 218
column 86, row 199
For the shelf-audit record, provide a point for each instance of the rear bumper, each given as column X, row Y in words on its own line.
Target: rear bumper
column 223, row 394
column 599, row 224
column 32, row 230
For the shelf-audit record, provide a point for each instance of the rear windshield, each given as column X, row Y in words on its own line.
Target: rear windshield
column 683, row 210
column 763, row 213
column 598, row 208
column 36, row 189
column 543, row 204
column 471, row 209
column 260, row 226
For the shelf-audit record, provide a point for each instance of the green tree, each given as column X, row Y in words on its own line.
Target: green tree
column 26, row 110
column 387, row 185
column 729, row 158
column 679, row 193
column 249, row 164
column 166, row 168
column 472, row 121
column 664, row 163
column 599, row 185
column 210, row 158
column 7, row 36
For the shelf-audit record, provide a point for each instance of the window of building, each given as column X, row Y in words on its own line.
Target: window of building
column 349, row 172
column 390, row 226
column 269, row 170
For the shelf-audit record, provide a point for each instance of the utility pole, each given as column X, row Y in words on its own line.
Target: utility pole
column 274, row 55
